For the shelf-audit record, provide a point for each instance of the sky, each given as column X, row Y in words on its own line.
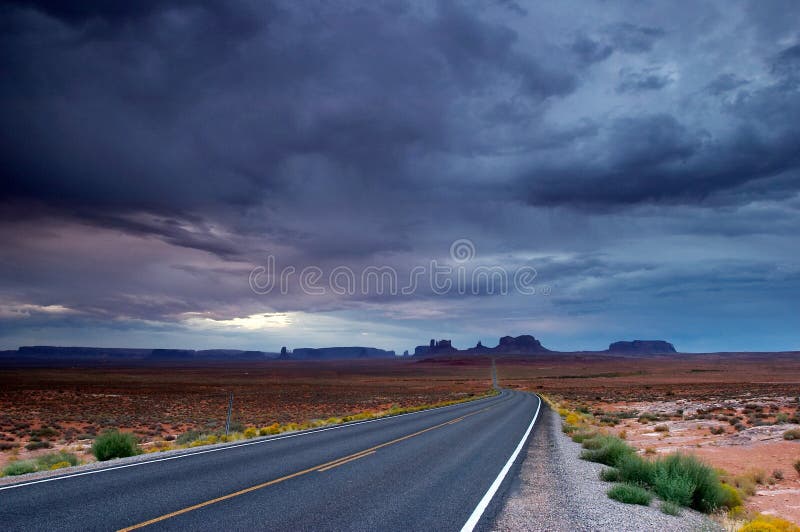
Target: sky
column 582, row 171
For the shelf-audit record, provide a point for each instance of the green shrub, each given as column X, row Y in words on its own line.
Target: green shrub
column 675, row 489
column 707, row 493
column 636, row 470
column 47, row 461
column 115, row 444
column 188, row 437
column 20, row 467
column 608, row 450
column 580, row 437
column 610, row 475
column 670, row 508
column 630, row 494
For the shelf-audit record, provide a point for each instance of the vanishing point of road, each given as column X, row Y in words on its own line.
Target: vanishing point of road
column 443, row 469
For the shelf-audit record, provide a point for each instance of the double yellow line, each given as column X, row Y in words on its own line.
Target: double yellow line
column 320, row 468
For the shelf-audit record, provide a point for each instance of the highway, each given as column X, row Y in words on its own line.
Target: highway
column 438, row 470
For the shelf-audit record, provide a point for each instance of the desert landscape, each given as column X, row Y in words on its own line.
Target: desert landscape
column 46, row 409
column 735, row 411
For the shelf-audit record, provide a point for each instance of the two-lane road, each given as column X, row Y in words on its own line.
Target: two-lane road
column 433, row 470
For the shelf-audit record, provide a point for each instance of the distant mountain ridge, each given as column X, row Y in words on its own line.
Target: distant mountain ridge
column 507, row 345
column 48, row 352
column 334, row 353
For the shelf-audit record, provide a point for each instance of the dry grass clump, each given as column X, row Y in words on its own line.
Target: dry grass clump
column 769, row 523
column 792, row 434
column 45, row 462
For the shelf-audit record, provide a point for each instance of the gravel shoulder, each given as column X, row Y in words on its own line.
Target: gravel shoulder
column 557, row 491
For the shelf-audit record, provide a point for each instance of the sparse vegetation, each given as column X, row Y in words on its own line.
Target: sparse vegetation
column 677, row 479
column 769, row 523
column 42, row 463
column 630, row 494
column 20, row 467
column 792, row 434
column 608, row 450
column 115, row 444
column 670, row 508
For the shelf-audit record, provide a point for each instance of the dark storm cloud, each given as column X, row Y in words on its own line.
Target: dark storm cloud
column 633, row 39
column 152, row 152
column 725, row 83
column 643, row 80
column 590, row 51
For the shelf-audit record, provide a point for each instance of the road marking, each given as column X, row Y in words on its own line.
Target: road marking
column 342, row 462
column 234, row 446
column 487, row 498
column 326, row 465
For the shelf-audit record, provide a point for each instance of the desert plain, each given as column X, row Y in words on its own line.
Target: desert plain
column 736, row 411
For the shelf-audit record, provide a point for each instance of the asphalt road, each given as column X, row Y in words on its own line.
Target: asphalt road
column 424, row 471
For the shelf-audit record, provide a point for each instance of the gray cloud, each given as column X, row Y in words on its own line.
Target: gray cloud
column 153, row 152
column 644, row 80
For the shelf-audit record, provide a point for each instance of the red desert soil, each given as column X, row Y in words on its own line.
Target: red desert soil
column 68, row 406
column 731, row 410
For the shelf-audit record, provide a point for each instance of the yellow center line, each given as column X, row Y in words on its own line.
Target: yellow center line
column 342, row 462
column 320, row 467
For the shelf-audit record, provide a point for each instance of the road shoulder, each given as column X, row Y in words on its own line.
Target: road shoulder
column 556, row 491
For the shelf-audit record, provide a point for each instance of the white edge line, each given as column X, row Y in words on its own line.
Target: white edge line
column 487, row 498
column 235, row 446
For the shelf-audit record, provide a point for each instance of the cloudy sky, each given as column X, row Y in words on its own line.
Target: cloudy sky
column 642, row 158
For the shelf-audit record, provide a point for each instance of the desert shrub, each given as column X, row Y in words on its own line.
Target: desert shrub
column 33, row 445
column 777, row 474
column 188, row 437
column 745, row 484
column 707, row 494
column 607, row 450
column 636, row 470
column 781, row 418
column 670, row 508
column 768, row 523
column 115, row 444
column 717, row 430
column 647, row 416
column 572, row 419
column 661, row 428
column 20, row 467
column 732, row 499
column 610, row 475
column 580, row 437
column 797, row 466
column 759, row 476
column 566, row 428
column 671, row 488
column 271, row 429
column 739, row 426
column 59, row 465
column 5, row 446
column 47, row 461
column 236, row 426
column 44, row 432
column 630, row 494
column 792, row 434
column 250, row 432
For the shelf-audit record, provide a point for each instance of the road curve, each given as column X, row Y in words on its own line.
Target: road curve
column 424, row 471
